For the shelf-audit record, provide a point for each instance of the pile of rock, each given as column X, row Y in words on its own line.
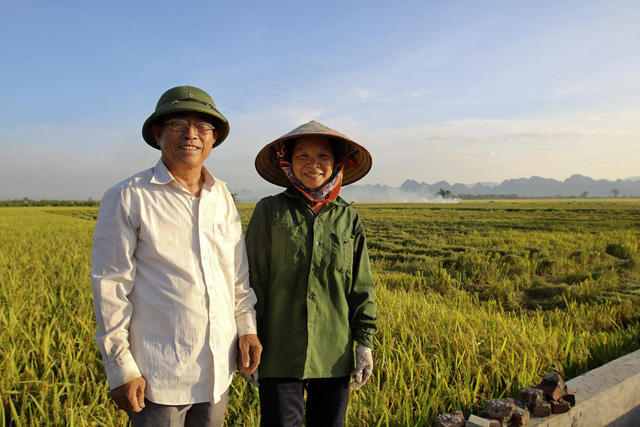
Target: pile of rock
column 551, row 396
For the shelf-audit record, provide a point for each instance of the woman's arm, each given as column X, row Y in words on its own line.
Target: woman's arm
column 258, row 242
column 362, row 304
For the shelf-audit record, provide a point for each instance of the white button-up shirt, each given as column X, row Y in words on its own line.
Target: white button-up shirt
column 171, row 286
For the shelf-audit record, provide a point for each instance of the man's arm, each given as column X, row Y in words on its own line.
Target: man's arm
column 113, row 271
column 245, row 300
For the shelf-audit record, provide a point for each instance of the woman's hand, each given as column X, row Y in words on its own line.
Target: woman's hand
column 364, row 366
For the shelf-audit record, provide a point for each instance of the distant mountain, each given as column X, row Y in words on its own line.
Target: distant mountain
column 249, row 196
column 414, row 191
column 574, row 186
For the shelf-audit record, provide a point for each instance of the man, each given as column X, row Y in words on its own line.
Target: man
column 170, row 277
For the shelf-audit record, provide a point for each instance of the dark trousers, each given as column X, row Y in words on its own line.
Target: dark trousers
column 206, row 414
column 282, row 401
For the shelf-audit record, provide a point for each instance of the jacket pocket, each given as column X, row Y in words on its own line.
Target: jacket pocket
column 286, row 242
column 342, row 251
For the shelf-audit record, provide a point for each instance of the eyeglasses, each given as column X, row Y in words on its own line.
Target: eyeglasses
column 181, row 126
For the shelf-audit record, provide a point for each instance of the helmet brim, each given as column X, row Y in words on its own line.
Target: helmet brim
column 220, row 123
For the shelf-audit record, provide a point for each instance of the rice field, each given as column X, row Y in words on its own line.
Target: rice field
column 475, row 300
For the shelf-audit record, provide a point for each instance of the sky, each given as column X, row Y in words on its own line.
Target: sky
column 463, row 91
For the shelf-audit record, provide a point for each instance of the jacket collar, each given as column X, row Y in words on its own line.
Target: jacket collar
column 295, row 194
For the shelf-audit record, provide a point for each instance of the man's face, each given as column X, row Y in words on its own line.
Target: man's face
column 183, row 150
column 312, row 161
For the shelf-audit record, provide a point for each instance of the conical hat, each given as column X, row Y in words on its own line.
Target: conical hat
column 267, row 163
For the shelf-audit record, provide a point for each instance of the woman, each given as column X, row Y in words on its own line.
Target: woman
column 309, row 267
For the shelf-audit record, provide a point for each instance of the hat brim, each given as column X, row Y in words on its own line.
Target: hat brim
column 268, row 165
column 220, row 123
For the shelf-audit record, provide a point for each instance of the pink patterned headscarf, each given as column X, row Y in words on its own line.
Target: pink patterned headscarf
column 323, row 194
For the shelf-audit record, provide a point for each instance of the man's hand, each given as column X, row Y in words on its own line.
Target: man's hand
column 130, row 396
column 250, row 351
column 250, row 378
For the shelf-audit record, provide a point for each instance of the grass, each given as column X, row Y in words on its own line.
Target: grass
column 475, row 300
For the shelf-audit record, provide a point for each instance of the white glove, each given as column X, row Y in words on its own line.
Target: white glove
column 364, row 366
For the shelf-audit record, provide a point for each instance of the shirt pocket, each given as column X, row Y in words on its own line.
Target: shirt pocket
column 286, row 243
column 225, row 239
column 342, row 251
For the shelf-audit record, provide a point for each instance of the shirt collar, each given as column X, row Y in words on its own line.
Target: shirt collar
column 162, row 176
column 294, row 193
column 209, row 180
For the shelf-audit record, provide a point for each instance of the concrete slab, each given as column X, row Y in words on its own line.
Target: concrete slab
column 476, row 421
column 606, row 396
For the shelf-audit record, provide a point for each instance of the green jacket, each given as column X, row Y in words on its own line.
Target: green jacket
column 313, row 281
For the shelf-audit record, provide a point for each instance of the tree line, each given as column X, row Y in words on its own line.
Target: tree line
column 28, row 202
column 80, row 203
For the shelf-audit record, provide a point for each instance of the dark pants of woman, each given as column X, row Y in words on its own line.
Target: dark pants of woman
column 282, row 401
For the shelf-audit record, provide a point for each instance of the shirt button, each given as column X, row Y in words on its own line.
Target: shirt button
column 313, row 269
column 312, row 297
column 317, row 243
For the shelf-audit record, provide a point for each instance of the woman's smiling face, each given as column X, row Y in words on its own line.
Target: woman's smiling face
column 312, row 160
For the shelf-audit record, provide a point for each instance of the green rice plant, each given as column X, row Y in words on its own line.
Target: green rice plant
column 475, row 301
column 622, row 251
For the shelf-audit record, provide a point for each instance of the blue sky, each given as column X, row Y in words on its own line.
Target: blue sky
column 462, row 91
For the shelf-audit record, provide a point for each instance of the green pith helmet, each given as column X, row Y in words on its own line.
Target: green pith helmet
column 186, row 98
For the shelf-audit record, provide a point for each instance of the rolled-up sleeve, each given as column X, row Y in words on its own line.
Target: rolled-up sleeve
column 113, row 270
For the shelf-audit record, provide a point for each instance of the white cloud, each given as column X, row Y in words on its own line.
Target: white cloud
column 419, row 93
column 361, row 94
